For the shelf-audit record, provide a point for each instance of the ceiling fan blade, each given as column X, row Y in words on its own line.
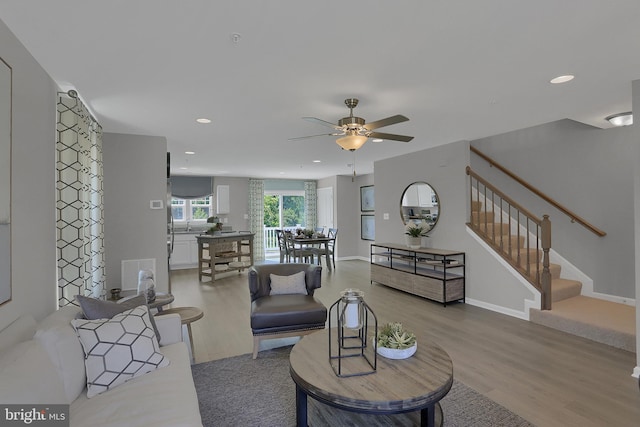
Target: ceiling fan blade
column 391, row 136
column 312, row 136
column 386, row 122
column 321, row 122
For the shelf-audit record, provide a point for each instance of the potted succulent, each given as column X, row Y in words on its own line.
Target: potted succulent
column 216, row 224
column 415, row 231
column 394, row 342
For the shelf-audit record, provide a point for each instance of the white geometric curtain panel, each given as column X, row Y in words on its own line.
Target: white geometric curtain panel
column 310, row 204
column 256, row 216
column 79, row 202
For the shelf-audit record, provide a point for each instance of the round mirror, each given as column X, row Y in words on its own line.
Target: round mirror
column 419, row 203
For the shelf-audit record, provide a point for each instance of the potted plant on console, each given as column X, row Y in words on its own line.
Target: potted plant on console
column 216, row 225
column 394, row 342
column 415, row 231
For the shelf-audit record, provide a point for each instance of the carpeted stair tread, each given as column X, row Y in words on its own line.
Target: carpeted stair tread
column 554, row 269
column 595, row 319
column 530, row 255
column 492, row 228
column 562, row 289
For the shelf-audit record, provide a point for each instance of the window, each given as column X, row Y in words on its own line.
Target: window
column 191, row 210
column 284, row 209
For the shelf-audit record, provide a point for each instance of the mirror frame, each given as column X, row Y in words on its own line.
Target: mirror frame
column 437, row 202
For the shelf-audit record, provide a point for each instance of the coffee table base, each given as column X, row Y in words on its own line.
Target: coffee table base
column 429, row 417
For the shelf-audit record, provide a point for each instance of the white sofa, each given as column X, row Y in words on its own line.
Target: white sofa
column 44, row 364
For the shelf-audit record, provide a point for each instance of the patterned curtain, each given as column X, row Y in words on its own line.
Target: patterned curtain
column 256, row 216
column 310, row 204
column 80, row 210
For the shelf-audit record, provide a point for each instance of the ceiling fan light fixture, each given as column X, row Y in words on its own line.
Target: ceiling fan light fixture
column 351, row 142
column 621, row 119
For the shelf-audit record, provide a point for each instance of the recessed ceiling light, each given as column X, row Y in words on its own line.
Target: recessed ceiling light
column 317, row 161
column 376, row 140
column 281, row 173
column 622, row 119
column 183, row 168
column 562, row 79
column 189, row 152
column 203, row 120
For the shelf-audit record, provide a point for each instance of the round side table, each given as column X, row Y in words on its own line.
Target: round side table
column 188, row 315
column 161, row 300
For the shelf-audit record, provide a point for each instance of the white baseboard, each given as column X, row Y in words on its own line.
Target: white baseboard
column 612, row 298
column 636, row 372
column 498, row 309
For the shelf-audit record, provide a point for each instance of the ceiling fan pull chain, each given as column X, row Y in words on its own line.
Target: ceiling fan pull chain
column 353, row 165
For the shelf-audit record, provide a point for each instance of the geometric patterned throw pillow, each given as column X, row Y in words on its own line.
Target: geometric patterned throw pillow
column 118, row 349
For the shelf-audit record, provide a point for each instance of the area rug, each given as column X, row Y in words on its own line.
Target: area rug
column 240, row 391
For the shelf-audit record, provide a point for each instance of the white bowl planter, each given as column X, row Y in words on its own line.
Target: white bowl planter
column 397, row 353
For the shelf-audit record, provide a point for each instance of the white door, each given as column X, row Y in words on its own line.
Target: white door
column 325, row 208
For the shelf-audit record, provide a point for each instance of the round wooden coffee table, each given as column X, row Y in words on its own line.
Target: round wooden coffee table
column 398, row 386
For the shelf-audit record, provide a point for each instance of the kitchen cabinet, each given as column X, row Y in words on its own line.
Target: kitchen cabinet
column 222, row 199
column 185, row 251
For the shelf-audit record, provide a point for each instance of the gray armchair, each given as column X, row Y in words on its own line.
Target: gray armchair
column 284, row 315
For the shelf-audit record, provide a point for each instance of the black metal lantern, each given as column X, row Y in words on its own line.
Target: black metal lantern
column 350, row 351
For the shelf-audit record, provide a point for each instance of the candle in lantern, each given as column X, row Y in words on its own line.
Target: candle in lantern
column 351, row 318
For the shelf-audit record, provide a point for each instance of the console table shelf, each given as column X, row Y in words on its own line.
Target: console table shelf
column 435, row 274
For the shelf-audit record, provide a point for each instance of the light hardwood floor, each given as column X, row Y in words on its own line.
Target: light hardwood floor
column 546, row 376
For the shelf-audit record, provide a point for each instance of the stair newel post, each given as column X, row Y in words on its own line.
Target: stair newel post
column 546, row 273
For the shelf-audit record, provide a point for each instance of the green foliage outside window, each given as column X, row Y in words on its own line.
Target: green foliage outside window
column 271, row 212
column 292, row 211
column 200, row 213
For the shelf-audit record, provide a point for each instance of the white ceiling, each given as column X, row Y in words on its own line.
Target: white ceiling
column 459, row 69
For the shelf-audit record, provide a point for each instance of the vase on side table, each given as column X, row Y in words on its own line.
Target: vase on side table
column 414, row 242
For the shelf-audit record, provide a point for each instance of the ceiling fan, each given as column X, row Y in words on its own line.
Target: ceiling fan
column 354, row 131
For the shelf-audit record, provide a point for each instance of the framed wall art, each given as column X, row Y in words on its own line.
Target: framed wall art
column 367, row 227
column 367, row 200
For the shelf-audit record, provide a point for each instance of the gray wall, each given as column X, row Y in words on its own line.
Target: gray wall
column 33, row 185
column 586, row 169
column 488, row 281
column 134, row 174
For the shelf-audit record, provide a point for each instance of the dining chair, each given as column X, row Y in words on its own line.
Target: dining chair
column 319, row 230
column 299, row 254
column 331, row 245
column 282, row 245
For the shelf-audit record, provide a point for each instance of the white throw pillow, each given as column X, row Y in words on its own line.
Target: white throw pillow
column 118, row 349
column 293, row 284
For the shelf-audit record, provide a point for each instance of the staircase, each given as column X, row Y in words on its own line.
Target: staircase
column 595, row 319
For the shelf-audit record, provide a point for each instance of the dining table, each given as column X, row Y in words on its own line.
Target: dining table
column 313, row 241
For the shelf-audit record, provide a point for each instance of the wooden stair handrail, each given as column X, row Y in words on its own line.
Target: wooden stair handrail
column 569, row 213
